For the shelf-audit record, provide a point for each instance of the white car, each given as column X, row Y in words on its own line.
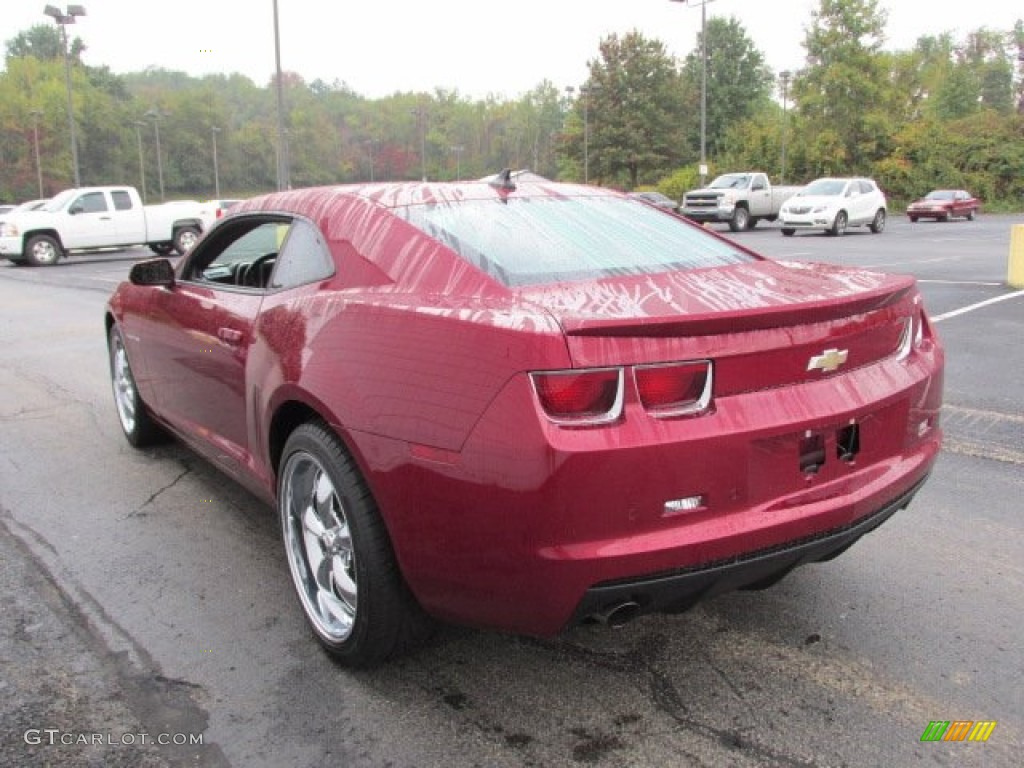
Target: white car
column 832, row 205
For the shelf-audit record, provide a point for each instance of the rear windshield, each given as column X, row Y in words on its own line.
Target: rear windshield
column 530, row 241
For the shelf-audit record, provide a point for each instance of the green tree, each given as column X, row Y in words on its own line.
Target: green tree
column 843, row 93
column 739, row 83
column 632, row 100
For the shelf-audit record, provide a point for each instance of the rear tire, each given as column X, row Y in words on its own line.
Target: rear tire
column 970, row 215
column 913, row 219
column 787, row 232
column 878, row 223
column 43, row 251
column 342, row 563
column 162, row 249
column 185, row 238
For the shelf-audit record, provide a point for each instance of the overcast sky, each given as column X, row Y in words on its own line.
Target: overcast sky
column 476, row 47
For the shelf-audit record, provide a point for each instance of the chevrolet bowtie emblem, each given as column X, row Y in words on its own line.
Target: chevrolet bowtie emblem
column 828, row 361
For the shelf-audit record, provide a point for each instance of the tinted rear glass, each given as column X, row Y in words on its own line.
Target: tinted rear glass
column 531, row 241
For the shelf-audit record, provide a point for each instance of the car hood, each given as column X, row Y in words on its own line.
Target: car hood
column 814, row 200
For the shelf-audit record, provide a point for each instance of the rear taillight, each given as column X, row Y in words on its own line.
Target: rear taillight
column 674, row 389
column 580, row 398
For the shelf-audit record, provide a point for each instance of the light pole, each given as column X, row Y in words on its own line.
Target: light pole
column 784, row 76
column 214, row 130
column 282, row 146
column 154, row 115
column 584, row 94
column 36, row 114
column 139, row 125
column 703, row 85
column 62, row 20
column 457, row 149
column 369, row 149
column 421, row 119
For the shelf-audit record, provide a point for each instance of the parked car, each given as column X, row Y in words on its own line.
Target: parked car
column 741, row 199
column 99, row 217
column 944, row 204
column 526, row 407
column 833, row 205
column 657, row 199
column 221, row 207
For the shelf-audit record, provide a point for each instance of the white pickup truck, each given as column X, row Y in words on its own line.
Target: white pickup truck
column 100, row 217
column 741, row 199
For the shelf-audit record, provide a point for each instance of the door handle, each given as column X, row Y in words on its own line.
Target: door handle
column 229, row 335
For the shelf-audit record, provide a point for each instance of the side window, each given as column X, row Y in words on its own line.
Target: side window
column 90, row 202
column 304, row 257
column 866, row 187
column 242, row 254
column 759, row 183
column 122, row 200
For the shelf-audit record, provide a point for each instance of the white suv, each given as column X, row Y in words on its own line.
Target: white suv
column 833, row 205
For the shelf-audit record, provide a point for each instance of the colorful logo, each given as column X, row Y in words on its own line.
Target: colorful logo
column 958, row 730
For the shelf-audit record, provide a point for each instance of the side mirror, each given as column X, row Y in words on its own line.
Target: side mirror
column 75, row 209
column 152, row 272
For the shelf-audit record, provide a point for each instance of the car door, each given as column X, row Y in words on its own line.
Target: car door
column 89, row 222
column 129, row 219
column 862, row 202
column 760, row 195
column 200, row 333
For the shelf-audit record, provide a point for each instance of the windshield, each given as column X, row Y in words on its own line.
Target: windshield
column 731, row 181
column 826, row 187
column 940, row 194
column 530, row 241
column 60, row 200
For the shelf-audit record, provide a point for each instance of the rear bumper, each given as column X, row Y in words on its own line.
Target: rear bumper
column 678, row 591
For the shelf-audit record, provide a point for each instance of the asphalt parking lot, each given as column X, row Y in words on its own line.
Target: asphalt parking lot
column 145, row 593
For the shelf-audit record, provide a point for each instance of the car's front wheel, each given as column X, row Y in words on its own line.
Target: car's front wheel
column 838, row 224
column 878, row 223
column 43, row 251
column 340, row 554
column 138, row 426
column 788, row 231
column 740, row 219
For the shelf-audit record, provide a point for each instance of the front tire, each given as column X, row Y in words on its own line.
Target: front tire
column 138, row 426
column 43, row 251
column 740, row 219
column 184, row 239
column 838, row 225
column 788, row 232
column 878, row 223
column 340, row 556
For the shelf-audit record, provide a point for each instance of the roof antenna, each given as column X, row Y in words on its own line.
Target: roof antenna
column 503, row 180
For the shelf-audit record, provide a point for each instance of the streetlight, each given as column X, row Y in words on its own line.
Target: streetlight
column 139, row 125
column 369, row 148
column 421, row 119
column 62, row 20
column 282, row 146
column 457, row 149
column 36, row 114
column 784, row 76
column 703, row 85
column 214, row 130
column 154, row 115
column 584, row 94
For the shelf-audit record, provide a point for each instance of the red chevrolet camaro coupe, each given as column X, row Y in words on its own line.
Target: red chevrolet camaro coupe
column 526, row 408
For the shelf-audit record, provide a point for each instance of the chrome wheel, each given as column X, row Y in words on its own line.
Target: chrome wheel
column 184, row 239
column 42, row 251
column 319, row 546
column 125, row 396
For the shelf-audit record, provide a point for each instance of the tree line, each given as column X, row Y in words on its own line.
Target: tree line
column 947, row 113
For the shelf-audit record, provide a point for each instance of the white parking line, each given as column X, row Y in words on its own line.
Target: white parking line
column 979, row 305
column 958, row 282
